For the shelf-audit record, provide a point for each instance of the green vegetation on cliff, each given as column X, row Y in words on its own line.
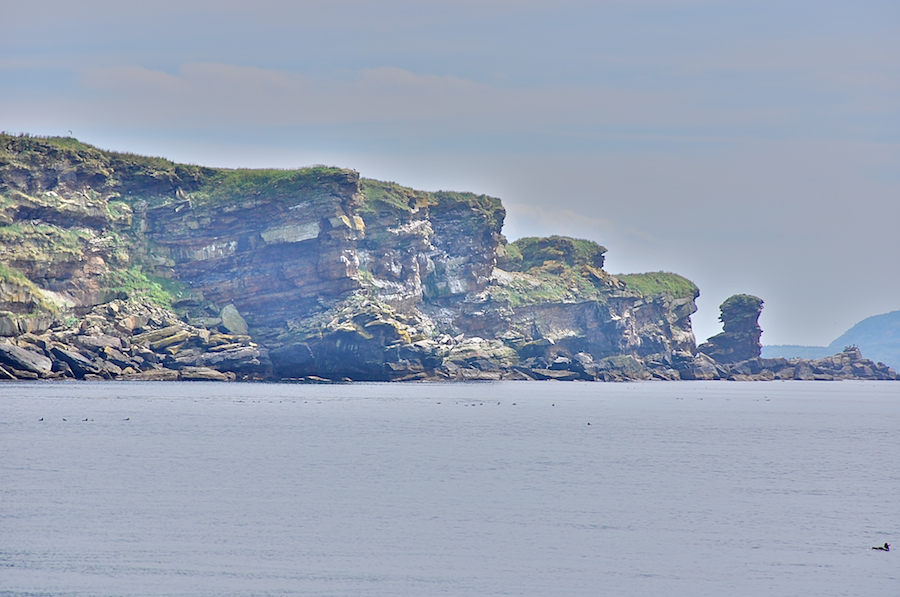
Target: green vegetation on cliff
column 555, row 269
column 489, row 208
column 573, row 252
column 33, row 164
column 657, row 283
column 551, row 283
column 43, row 243
column 134, row 283
column 378, row 196
column 10, row 274
column 231, row 186
column 14, row 278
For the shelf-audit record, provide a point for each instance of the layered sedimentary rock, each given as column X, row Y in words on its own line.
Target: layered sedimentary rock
column 739, row 340
column 118, row 266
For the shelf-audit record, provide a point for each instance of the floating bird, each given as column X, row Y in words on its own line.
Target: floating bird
column 887, row 547
column 128, row 419
column 588, row 423
column 41, row 419
column 63, row 419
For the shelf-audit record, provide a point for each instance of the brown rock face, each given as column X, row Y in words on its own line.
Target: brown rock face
column 740, row 339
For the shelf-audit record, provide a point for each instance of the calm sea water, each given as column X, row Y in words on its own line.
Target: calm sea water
column 556, row 489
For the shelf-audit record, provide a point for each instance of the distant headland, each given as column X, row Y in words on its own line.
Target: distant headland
column 119, row 266
column 877, row 336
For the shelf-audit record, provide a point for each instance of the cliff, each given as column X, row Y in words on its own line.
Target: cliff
column 118, row 266
column 124, row 266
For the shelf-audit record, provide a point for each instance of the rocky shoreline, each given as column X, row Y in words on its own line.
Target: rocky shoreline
column 130, row 341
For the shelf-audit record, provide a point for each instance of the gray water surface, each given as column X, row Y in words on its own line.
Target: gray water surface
column 512, row 488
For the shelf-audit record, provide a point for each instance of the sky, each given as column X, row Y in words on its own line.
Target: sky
column 752, row 147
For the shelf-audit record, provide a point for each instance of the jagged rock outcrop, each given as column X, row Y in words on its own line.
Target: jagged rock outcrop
column 740, row 339
column 116, row 266
column 131, row 340
column 848, row 364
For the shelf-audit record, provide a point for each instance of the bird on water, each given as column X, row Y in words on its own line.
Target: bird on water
column 887, row 547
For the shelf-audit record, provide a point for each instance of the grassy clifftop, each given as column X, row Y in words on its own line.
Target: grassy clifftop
column 657, row 283
column 35, row 164
column 531, row 252
column 379, row 196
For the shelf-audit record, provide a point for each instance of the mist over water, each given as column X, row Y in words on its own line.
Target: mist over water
column 531, row 488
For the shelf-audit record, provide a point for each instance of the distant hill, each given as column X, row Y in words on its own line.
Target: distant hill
column 878, row 337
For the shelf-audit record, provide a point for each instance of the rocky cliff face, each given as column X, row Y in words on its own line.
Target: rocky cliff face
column 739, row 340
column 272, row 250
column 333, row 276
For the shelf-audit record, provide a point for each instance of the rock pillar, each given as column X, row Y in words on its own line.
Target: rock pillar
column 740, row 340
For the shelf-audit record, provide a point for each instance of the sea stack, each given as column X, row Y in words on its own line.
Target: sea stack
column 740, row 339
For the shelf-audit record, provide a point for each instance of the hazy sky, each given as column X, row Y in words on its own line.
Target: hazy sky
column 750, row 146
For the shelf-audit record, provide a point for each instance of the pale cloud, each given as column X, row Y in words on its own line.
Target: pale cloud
column 134, row 79
column 202, row 95
column 209, row 95
column 215, row 94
